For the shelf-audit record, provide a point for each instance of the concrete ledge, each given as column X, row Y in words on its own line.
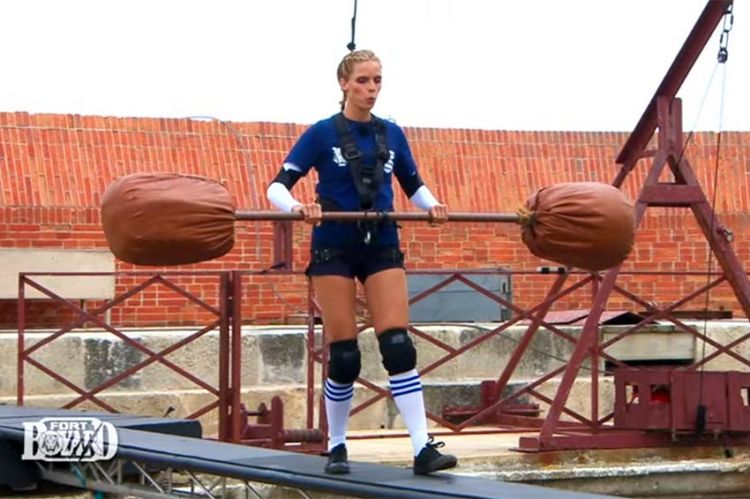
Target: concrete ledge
column 270, row 355
column 17, row 260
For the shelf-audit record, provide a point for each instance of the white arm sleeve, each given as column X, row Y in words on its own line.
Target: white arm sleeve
column 280, row 197
column 423, row 198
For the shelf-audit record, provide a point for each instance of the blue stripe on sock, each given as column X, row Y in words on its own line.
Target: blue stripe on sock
column 406, row 387
column 339, row 393
column 399, row 382
column 398, row 394
column 337, row 398
column 338, row 389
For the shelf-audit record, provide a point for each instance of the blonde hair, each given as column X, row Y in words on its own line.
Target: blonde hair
column 346, row 66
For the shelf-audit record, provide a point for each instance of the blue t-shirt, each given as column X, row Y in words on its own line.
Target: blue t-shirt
column 319, row 147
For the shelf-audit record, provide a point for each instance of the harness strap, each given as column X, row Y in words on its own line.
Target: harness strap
column 366, row 176
column 325, row 255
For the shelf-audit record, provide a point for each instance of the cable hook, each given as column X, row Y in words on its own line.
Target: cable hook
column 724, row 38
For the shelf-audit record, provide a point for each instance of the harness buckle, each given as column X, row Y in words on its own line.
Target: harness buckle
column 351, row 153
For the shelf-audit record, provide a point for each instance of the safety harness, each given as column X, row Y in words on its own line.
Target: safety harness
column 366, row 176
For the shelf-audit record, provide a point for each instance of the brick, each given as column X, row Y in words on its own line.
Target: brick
column 76, row 157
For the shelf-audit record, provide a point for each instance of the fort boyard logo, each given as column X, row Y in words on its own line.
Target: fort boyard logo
column 69, row 439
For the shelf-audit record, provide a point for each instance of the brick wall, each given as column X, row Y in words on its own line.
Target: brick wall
column 53, row 169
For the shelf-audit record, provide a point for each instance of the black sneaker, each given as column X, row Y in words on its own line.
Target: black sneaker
column 429, row 459
column 338, row 463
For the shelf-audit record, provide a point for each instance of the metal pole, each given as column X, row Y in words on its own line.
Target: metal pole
column 235, row 350
column 225, row 301
column 21, row 341
column 353, row 216
column 311, row 361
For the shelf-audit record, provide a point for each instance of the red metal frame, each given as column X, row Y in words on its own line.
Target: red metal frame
column 504, row 414
column 665, row 112
column 233, row 417
column 662, row 399
column 317, row 353
column 223, row 392
column 236, row 421
column 503, row 410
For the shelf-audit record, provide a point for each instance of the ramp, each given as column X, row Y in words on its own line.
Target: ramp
column 146, row 463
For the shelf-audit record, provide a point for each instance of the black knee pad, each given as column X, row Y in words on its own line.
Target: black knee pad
column 344, row 361
column 397, row 351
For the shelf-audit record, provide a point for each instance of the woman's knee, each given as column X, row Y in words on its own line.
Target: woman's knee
column 344, row 361
column 397, row 351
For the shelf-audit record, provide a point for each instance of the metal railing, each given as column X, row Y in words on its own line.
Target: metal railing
column 497, row 411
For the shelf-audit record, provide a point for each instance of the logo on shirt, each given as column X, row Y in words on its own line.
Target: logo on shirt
column 338, row 158
column 388, row 168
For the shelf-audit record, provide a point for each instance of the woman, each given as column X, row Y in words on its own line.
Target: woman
column 356, row 154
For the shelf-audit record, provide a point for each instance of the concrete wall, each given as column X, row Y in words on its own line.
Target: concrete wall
column 15, row 261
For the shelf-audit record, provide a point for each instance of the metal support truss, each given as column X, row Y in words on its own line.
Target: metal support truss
column 128, row 478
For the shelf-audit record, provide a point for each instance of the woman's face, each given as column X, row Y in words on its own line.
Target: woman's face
column 363, row 86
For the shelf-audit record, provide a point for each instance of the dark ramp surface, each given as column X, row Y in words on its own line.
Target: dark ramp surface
column 280, row 467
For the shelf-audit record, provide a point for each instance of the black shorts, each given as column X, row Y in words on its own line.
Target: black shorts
column 360, row 263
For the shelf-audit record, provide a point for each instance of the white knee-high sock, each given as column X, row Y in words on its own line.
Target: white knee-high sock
column 338, row 404
column 406, row 389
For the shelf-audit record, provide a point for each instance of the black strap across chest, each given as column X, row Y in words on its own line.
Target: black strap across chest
column 367, row 177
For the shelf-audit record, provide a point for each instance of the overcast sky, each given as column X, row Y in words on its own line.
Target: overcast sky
column 494, row 64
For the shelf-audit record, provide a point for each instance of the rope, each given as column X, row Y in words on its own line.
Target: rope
column 701, row 410
column 351, row 45
column 526, row 217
